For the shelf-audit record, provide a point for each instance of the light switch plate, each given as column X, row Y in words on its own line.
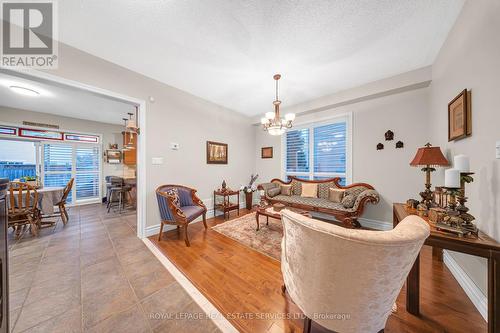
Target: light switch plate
column 174, row 146
column 157, row 160
column 497, row 155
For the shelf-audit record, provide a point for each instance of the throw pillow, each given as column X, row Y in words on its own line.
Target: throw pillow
column 335, row 194
column 173, row 194
column 286, row 189
column 273, row 192
column 348, row 201
column 309, row 190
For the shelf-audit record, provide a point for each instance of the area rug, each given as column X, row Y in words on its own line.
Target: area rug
column 242, row 229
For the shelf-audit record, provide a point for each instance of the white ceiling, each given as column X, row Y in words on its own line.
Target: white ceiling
column 62, row 101
column 227, row 51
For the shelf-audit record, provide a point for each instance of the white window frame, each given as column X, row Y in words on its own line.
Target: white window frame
column 348, row 118
column 74, row 172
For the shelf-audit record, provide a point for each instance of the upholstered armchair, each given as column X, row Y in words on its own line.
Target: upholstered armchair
column 179, row 205
column 347, row 280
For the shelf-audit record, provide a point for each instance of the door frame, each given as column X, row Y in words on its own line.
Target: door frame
column 37, row 75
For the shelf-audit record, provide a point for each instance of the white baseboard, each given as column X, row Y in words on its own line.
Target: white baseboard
column 475, row 294
column 375, row 224
column 155, row 229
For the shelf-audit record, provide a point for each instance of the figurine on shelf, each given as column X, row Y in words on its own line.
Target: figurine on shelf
column 224, row 186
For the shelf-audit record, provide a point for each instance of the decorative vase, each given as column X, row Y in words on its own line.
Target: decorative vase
column 248, row 200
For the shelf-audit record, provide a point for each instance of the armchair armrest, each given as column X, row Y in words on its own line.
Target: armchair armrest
column 368, row 195
column 267, row 186
column 196, row 200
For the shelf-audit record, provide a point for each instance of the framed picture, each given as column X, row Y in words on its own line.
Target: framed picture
column 216, row 152
column 266, row 152
column 459, row 117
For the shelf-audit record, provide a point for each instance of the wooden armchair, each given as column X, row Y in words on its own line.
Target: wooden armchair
column 179, row 205
column 23, row 207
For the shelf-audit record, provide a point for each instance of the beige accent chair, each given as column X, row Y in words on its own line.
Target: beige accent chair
column 347, row 280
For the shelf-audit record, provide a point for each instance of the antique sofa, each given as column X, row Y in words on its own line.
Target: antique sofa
column 359, row 195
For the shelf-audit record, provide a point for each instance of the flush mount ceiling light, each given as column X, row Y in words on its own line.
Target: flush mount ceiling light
column 24, row 91
column 272, row 122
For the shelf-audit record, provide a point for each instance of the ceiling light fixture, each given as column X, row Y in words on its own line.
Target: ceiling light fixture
column 24, row 91
column 272, row 122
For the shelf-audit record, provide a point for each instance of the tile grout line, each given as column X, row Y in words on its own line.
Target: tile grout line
column 214, row 314
column 128, row 281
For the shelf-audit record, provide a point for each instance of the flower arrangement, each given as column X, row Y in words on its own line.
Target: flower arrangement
column 251, row 187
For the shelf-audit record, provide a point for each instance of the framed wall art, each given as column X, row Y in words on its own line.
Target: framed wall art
column 266, row 152
column 216, row 152
column 459, row 118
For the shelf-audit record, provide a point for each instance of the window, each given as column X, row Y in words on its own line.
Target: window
column 319, row 151
column 17, row 159
column 61, row 162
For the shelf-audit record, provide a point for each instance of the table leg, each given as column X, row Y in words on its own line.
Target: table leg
column 494, row 292
column 413, row 289
column 267, row 220
column 257, row 220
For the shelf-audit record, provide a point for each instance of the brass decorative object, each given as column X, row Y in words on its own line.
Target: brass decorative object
column 457, row 219
column 429, row 157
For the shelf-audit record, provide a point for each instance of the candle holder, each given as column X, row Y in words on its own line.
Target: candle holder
column 457, row 220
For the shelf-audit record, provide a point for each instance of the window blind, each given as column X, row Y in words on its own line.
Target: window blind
column 318, row 151
column 87, row 172
column 297, row 151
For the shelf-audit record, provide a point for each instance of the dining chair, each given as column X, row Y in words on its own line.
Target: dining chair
column 61, row 204
column 347, row 280
column 23, row 202
column 179, row 205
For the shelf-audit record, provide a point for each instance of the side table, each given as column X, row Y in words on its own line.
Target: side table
column 226, row 206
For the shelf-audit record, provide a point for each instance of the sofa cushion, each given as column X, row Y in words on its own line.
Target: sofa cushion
column 348, row 200
column 192, row 212
column 336, row 194
column 173, row 194
column 313, row 202
column 309, row 190
column 286, row 190
column 272, row 192
column 323, row 189
column 296, row 187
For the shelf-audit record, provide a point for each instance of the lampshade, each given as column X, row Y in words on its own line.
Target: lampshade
column 429, row 155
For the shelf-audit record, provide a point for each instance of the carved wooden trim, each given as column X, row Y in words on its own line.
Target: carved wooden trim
column 335, row 180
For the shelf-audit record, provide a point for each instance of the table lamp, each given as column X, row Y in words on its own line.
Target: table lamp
column 428, row 157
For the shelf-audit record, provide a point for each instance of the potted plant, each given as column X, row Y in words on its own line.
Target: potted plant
column 30, row 180
column 249, row 189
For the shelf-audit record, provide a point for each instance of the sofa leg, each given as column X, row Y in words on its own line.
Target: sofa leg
column 307, row 325
column 283, row 289
column 161, row 232
column 186, row 239
column 205, row 220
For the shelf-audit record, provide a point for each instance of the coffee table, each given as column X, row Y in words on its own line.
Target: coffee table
column 268, row 212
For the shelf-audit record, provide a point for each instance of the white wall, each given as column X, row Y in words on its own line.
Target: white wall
column 470, row 58
column 110, row 133
column 387, row 170
column 174, row 116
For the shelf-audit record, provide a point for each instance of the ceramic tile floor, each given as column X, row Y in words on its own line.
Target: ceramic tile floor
column 95, row 275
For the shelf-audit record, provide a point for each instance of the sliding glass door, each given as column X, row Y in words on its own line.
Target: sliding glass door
column 63, row 161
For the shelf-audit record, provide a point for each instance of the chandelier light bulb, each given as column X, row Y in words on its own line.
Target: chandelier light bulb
column 270, row 115
column 290, row 116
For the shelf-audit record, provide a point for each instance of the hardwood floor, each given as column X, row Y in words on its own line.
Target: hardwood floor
column 244, row 285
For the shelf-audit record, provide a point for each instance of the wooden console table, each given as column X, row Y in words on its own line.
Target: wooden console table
column 482, row 246
column 226, row 206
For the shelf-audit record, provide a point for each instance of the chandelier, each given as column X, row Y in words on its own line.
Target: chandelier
column 272, row 122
